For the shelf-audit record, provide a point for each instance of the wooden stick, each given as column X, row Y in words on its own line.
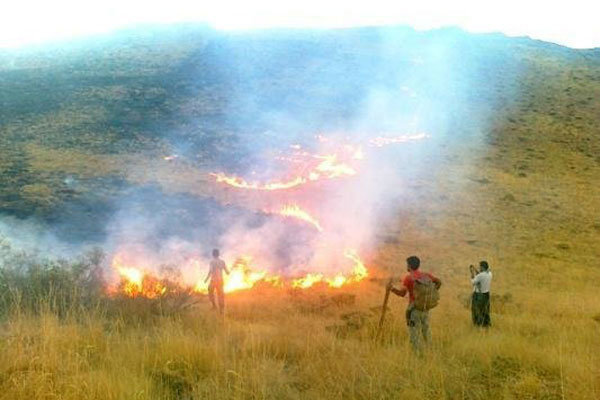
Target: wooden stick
column 384, row 308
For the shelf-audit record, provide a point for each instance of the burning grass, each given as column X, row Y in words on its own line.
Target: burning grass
column 139, row 282
column 340, row 160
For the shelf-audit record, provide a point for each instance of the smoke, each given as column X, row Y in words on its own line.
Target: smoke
column 275, row 94
column 34, row 238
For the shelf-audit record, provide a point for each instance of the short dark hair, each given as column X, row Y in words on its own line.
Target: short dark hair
column 413, row 262
column 484, row 265
column 215, row 252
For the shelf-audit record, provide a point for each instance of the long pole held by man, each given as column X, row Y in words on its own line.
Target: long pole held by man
column 388, row 289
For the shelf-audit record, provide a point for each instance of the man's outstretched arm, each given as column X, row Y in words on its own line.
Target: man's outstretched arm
column 399, row 292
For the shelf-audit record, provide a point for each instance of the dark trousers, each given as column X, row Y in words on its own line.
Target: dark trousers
column 216, row 288
column 480, row 309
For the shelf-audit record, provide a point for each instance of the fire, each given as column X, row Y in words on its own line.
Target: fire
column 241, row 183
column 312, row 168
column 132, row 280
column 337, row 281
column 135, row 282
column 384, row 141
column 328, row 168
column 295, row 211
column 240, row 277
column 307, row 281
column 335, row 160
column 336, row 164
column 359, row 272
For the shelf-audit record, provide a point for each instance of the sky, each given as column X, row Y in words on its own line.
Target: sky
column 573, row 23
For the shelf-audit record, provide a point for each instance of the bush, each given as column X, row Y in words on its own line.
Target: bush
column 34, row 284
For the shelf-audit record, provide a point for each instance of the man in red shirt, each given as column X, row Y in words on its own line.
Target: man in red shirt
column 417, row 320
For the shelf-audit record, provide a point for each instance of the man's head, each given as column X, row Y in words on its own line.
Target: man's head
column 413, row 263
column 215, row 253
column 483, row 265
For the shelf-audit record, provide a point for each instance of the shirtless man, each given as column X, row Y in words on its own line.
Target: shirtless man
column 215, row 275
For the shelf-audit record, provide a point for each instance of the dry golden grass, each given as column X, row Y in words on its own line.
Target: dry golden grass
column 279, row 345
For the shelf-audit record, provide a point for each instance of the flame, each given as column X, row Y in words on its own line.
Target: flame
column 295, row 211
column 307, row 281
column 384, row 141
column 132, row 280
column 314, row 167
column 240, row 277
column 359, row 272
column 135, row 282
column 241, row 183
column 337, row 160
column 327, row 166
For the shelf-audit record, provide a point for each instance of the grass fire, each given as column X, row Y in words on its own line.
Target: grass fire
column 357, row 213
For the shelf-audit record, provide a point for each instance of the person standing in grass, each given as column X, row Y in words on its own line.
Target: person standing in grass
column 215, row 275
column 480, row 302
column 417, row 312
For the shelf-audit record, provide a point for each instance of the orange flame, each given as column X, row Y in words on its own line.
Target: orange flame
column 137, row 283
column 359, row 272
column 307, row 281
column 328, row 168
column 132, row 280
column 295, row 211
column 240, row 277
column 243, row 184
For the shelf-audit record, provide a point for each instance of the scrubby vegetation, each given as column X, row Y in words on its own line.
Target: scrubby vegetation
column 35, row 285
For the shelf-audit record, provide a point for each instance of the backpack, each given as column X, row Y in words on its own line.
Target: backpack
column 426, row 294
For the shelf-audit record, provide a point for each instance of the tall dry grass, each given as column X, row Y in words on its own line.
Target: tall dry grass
column 278, row 344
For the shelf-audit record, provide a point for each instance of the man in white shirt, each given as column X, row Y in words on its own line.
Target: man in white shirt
column 480, row 302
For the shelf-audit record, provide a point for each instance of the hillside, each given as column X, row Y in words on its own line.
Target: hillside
column 204, row 93
column 510, row 174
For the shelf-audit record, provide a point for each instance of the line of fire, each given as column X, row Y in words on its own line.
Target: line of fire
column 289, row 198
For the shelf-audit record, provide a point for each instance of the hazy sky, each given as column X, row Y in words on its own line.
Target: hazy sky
column 572, row 23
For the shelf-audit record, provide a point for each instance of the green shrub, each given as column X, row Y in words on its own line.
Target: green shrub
column 35, row 284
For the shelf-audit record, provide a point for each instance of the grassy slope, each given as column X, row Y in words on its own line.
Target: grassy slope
column 525, row 198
